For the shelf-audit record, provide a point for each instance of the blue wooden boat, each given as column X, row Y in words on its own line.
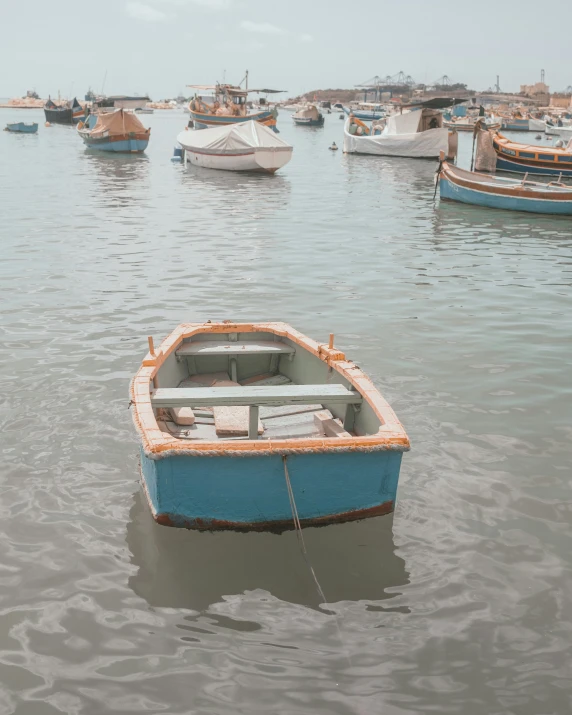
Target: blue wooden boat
column 228, row 107
column 243, row 423
column 497, row 192
column 532, row 159
column 366, row 115
column 118, row 131
column 22, row 127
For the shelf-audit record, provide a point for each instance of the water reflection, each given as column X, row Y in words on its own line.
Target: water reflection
column 187, row 569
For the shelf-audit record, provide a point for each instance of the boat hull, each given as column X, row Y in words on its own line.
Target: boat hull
column 120, row 145
column 531, row 159
column 208, row 121
column 22, row 128
column 454, row 192
column 261, row 160
column 63, row 116
column 304, row 122
column 251, row 494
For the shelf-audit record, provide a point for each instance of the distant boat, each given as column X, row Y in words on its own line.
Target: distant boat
column 467, row 124
column 366, row 114
column 248, row 146
column 308, row 116
column 532, row 159
column 118, row 131
column 22, row 127
column 564, row 132
column 247, row 426
column 522, row 124
column 470, row 187
column 144, row 110
column 417, row 134
column 67, row 113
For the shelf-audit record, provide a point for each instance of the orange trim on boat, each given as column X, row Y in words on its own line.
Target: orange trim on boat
column 391, row 434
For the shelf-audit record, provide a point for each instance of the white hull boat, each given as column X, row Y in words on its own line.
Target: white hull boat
column 418, row 134
column 564, row 132
column 248, row 146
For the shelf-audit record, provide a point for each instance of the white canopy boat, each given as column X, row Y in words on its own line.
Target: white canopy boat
column 418, row 134
column 248, row 146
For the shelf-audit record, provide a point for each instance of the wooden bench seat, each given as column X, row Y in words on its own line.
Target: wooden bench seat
column 238, row 347
column 254, row 396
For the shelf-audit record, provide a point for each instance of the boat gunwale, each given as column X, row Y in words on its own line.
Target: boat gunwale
column 156, row 444
column 503, row 141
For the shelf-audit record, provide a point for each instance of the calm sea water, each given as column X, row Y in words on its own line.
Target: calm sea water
column 460, row 602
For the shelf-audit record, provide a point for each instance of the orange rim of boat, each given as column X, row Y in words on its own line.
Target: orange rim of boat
column 156, row 444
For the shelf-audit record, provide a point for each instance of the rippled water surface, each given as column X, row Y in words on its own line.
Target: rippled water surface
column 459, row 603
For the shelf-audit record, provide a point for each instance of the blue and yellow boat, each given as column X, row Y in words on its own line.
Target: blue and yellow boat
column 532, row 159
column 252, row 426
column 228, row 106
column 22, row 127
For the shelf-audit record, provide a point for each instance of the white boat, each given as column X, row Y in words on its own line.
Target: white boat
column 247, row 146
column 565, row 132
column 417, row 134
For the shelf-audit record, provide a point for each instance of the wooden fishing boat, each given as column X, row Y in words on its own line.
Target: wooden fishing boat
column 22, row 127
column 532, row 159
column 522, row 124
column 367, row 113
column 227, row 105
column 67, row 113
column 308, row 116
column 497, row 192
column 117, row 131
column 240, row 420
column 248, row 146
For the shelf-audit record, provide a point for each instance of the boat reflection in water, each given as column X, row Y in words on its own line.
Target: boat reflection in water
column 192, row 569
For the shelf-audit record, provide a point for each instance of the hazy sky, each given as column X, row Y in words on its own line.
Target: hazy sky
column 159, row 46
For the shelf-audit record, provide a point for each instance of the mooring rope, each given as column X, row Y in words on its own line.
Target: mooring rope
column 298, row 528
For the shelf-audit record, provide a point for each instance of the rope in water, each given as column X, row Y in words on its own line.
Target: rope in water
column 298, row 528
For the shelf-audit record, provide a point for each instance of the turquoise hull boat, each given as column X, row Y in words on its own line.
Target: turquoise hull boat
column 245, row 425
column 22, row 127
column 502, row 193
column 119, row 132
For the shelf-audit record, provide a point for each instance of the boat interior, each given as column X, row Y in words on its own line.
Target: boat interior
column 255, row 385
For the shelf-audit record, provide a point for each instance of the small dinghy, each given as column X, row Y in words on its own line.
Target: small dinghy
column 497, row 192
column 247, row 146
column 242, row 422
column 308, row 116
column 22, row 127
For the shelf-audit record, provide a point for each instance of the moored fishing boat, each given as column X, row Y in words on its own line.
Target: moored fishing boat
column 366, row 112
column 417, row 134
column 308, row 116
column 503, row 193
column 117, row 131
column 228, row 105
column 533, row 159
column 248, row 146
column 240, row 420
column 22, row 127
column 67, row 113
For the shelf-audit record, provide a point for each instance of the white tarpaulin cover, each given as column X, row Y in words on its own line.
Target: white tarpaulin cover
column 232, row 138
column 426, row 144
column 407, row 123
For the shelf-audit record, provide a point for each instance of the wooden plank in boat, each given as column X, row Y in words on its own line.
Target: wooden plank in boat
column 238, row 347
column 292, row 419
column 267, row 379
column 269, row 413
column 254, row 395
column 207, row 379
column 328, row 426
column 233, row 421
